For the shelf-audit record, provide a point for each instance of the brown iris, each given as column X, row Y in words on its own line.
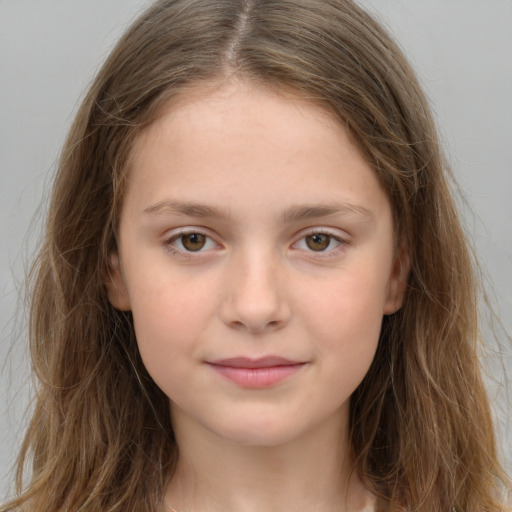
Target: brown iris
column 193, row 241
column 318, row 241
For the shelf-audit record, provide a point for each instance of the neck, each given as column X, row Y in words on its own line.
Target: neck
column 309, row 473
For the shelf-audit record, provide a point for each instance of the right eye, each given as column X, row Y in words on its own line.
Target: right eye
column 189, row 242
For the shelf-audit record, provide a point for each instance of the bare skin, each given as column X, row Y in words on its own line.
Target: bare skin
column 305, row 475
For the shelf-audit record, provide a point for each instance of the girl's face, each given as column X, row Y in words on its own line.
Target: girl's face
column 257, row 255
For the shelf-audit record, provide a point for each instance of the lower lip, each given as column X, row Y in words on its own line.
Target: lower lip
column 257, row 378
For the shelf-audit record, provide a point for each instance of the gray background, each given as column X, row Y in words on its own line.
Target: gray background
column 49, row 51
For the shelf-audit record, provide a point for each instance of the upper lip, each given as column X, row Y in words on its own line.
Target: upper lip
column 261, row 362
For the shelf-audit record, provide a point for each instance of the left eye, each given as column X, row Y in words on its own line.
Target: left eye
column 191, row 242
column 318, row 242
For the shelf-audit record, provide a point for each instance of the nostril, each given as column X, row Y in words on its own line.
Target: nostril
column 236, row 324
column 256, row 326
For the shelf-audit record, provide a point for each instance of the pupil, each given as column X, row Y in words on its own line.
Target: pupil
column 318, row 241
column 193, row 241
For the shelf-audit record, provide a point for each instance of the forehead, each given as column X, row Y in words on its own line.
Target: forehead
column 218, row 141
column 239, row 99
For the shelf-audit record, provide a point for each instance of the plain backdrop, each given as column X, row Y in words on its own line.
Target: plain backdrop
column 49, row 52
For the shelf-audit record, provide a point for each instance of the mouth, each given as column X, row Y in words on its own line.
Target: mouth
column 257, row 373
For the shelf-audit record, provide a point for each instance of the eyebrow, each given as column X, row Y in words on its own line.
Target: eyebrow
column 292, row 214
column 184, row 208
column 304, row 212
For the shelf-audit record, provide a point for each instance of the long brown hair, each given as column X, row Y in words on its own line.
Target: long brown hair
column 100, row 438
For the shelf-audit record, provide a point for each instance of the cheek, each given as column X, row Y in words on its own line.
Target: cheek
column 171, row 305
column 169, row 317
column 346, row 314
column 350, row 336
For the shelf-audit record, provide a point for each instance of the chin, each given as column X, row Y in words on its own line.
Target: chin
column 259, row 433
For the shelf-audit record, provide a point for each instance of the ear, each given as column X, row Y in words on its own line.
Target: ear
column 398, row 280
column 116, row 288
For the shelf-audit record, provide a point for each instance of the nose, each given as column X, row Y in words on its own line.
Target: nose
column 255, row 295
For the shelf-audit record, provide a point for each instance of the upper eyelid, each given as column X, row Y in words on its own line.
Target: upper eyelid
column 177, row 232
column 337, row 233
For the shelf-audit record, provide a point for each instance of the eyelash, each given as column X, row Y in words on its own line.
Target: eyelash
column 183, row 252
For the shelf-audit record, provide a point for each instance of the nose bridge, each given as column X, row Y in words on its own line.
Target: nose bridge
column 256, row 297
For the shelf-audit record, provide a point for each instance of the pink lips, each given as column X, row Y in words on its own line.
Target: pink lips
column 256, row 373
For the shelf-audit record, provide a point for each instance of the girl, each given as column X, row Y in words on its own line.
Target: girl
column 255, row 292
